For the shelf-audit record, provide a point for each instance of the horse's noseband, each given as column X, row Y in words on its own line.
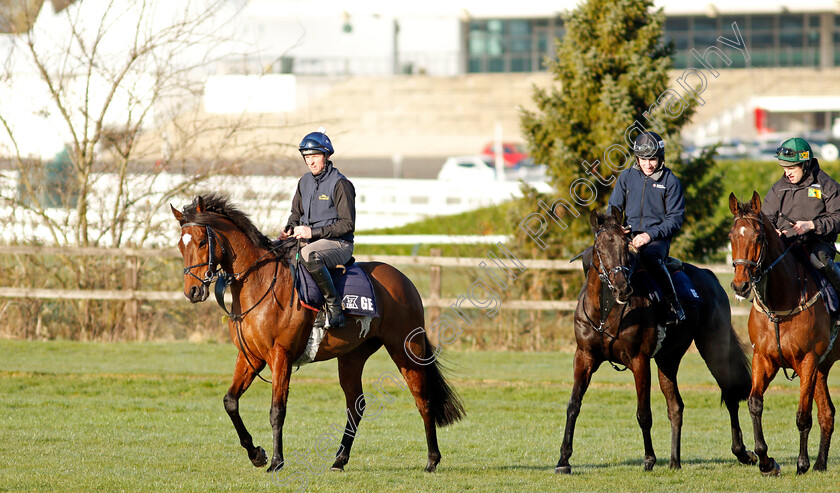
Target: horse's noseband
column 213, row 268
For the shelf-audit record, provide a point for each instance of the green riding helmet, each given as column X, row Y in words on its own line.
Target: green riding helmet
column 794, row 151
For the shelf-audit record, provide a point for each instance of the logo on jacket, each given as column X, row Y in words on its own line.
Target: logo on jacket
column 659, row 185
column 815, row 192
column 323, row 197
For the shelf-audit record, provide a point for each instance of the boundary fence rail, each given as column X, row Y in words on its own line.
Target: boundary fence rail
column 435, row 262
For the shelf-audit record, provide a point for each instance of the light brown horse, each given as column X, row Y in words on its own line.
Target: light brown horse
column 789, row 327
column 269, row 327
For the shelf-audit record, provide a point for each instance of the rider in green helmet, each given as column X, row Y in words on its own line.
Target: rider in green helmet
column 805, row 203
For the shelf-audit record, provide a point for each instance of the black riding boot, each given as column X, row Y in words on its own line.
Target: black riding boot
column 332, row 305
column 832, row 273
column 663, row 278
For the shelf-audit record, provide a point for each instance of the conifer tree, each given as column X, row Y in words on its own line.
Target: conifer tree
column 611, row 75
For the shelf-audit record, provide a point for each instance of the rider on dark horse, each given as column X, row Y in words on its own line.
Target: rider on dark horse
column 805, row 204
column 651, row 197
column 324, row 218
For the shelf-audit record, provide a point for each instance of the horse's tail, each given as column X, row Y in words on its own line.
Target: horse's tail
column 445, row 404
column 717, row 342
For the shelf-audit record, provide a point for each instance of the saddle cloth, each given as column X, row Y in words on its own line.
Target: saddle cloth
column 645, row 286
column 353, row 287
column 829, row 294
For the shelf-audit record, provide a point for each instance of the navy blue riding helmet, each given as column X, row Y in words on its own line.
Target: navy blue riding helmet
column 316, row 143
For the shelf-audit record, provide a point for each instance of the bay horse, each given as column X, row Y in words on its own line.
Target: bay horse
column 270, row 327
column 789, row 327
column 625, row 332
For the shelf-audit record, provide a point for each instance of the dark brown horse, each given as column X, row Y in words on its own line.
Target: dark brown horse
column 789, row 328
column 269, row 327
column 628, row 334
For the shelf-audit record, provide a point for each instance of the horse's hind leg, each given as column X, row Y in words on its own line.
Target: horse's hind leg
column 243, row 376
column 668, row 384
column 825, row 414
column 584, row 366
column 350, row 368
column 740, row 451
column 415, row 376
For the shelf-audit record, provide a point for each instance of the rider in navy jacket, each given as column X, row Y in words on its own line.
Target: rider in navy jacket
column 652, row 199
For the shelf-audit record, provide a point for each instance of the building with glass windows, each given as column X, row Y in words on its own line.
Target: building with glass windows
column 785, row 38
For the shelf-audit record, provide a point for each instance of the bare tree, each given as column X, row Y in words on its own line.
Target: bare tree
column 122, row 80
column 112, row 89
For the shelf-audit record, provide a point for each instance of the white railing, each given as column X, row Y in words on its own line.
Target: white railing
column 380, row 203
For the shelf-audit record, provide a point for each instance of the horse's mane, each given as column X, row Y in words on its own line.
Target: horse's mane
column 219, row 205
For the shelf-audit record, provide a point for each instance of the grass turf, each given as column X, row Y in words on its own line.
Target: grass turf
column 149, row 417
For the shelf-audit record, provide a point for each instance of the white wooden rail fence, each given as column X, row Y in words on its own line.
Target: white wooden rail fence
column 433, row 262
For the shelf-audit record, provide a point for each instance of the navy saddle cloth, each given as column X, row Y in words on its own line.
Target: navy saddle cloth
column 832, row 302
column 353, row 288
column 644, row 285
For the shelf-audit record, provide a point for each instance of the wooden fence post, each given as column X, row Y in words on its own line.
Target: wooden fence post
column 434, row 290
column 132, row 269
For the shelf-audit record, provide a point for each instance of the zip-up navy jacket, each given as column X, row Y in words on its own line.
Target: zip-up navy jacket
column 326, row 203
column 652, row 204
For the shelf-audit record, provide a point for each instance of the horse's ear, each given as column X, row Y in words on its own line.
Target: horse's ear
column 199, row 204
column 618, row 214
column 175, row 212
column 595, row 220
column 733, row 204
column 756, row 202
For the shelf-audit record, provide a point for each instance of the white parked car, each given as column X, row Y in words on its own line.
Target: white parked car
column 477, row 168
column 467, row 169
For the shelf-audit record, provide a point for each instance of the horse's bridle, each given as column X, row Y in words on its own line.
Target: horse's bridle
column 213, row 267
column 753, row 265
column 603, row 274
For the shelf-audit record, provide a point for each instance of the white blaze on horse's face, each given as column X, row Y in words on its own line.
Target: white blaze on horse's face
column 743, row 231
column 186, row 239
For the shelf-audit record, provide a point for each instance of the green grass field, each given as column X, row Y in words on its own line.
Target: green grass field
column 149, row 417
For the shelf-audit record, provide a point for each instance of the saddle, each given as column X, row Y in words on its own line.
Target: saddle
column 352, row 284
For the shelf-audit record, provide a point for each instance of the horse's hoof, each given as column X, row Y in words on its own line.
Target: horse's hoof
column 674, row 465
column 430, row 467
column 649, row 463
column 275, row 466
column 819, row 466
column 563, row 470
column 748, row 458
column 260, row 458
column 775, row 470
column 337, row 468
column 802, row 469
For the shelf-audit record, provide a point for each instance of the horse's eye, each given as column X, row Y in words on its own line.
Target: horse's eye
column 202, row 243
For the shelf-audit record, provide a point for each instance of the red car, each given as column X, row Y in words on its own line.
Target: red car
column 512, row 153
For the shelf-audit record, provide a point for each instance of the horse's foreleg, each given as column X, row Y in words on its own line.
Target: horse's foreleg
column 243, row 376
column 804, row 420
column 640, row 367
column 763, row 371
column 825, row 415
column 584, row 366
column 350, row 368
column 281, row 369
column 668, row 384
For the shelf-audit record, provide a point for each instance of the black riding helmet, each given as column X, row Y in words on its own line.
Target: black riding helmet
column 649, row 145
